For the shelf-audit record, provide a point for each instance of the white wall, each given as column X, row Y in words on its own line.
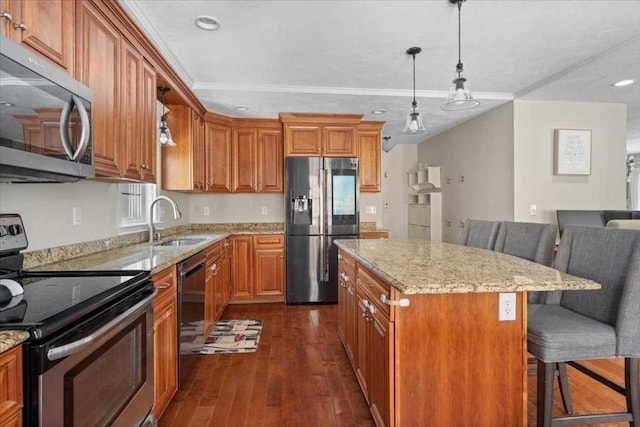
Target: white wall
column 395, row 191
column 481, row 151
column 534, row 182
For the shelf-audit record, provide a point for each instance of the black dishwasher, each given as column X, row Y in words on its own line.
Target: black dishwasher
column 191, row 285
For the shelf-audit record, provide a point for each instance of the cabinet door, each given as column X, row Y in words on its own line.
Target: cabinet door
column 210, row 299
column 6, row 25
column 218, row 158
column 303, row 140
column 148, row 140
column 11, row 400
column 269, row 272
column 244, row 177
column 369, row 154
column 130, row 110
column 351, row 322
column 98, row 53
column 270, row 161
column 362, row 361
column 165, row 353
column 342, row 306
column 339, row 141
column 46, row 27
column 225, row 281
column 381, row 368
column 241, row 267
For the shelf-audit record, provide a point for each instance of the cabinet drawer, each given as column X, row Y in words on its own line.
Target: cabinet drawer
column 374, row 234
column 11, row 386
column 373, row 288
column 348, row 264
column 269, row 240
column 165, row 282
column 214, row 252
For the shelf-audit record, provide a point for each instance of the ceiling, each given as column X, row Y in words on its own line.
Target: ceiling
column 349, row 56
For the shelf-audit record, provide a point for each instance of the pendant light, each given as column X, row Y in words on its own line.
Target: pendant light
column 460, row 97
column 414, row 124
column 165, row 134
column 387, row 145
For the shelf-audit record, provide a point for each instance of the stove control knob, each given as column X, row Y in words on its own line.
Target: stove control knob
column 15, row 229
column 3, row 230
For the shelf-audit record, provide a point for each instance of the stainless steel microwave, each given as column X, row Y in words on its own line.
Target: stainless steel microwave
column 45, row 120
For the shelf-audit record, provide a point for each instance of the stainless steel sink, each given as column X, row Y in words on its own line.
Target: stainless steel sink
column 181, row 242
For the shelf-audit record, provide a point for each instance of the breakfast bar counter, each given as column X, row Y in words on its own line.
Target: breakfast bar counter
column 436, row 332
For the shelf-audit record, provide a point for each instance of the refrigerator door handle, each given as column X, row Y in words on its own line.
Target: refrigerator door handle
column 323, row 194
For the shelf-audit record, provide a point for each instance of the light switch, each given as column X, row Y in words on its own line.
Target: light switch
column 371, row 210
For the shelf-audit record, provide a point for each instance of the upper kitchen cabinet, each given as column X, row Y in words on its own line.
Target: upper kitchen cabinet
column 257, row 156
column 124, row 96
column 183, row 166
column 331, row 135
column 217, row 145
column 44, row 26
column 369, row 150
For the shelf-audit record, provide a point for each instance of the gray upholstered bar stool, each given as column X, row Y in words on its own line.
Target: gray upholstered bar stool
column 592, row 324
column 479, row 233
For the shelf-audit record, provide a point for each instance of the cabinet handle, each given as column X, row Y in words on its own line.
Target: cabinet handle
column 20, row 26
column 165, row 285
column 214, row 267
column 6, row 15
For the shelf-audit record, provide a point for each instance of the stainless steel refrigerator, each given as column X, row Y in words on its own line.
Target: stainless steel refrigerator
column 321, row 206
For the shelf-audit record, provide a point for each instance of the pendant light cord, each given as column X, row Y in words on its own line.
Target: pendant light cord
column 414, row 104
column 459, row 32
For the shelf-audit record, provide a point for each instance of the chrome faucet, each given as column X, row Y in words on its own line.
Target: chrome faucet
column 153, row 231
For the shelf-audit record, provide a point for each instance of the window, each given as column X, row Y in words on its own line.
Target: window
column 135, row 199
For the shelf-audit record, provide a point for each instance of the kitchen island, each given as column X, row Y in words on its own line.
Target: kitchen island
column 436, row 332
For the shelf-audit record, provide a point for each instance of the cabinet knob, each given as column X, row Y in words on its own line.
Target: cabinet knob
column 165, row 285
column 6, row 15
column 20, row 26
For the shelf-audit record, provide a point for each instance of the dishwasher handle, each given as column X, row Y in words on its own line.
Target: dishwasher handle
column 56, row 353
column 191, row 264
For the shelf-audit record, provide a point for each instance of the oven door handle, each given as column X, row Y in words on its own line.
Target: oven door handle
column 56, row 353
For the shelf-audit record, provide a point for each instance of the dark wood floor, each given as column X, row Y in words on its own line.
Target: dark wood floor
column 300, row 376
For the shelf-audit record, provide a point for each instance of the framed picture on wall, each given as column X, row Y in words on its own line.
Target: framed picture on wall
column 572, row 152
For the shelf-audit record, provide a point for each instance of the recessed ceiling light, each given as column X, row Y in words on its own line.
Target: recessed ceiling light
column 242, row 108
column 208, row 23
column 623, row 83
column 379, row 111
column 6, row 104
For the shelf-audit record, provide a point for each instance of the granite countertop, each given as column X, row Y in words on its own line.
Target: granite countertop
column 144, row 256
column 426, row 267
column 10, row 339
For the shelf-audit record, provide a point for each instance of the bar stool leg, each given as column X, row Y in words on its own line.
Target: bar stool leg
column 632, row 382
column 565, row 392
column 546, row 374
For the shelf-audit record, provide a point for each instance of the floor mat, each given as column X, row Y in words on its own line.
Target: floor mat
column 233, row 336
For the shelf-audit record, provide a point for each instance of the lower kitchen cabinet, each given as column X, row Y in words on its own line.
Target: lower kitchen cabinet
column 347, row 306
column 165, row 340
column 257, row 268
column 216, row 284
column 11, row 387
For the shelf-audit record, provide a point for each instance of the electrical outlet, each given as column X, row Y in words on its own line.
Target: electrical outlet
column 533, row 210
column 77, row 216
column 507, row 306
column 265, row 211
column 205, row 210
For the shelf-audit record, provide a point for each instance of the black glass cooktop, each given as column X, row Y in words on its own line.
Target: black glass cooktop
column 52, row 300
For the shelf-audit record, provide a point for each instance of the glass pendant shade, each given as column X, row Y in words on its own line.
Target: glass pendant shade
column 460, row 97
column 165, row 134
column 414, row 125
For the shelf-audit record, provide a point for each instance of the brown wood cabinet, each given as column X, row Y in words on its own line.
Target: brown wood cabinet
column 443, row 330
column 11, row 400
column 377, row 234
column 217, row 142
column 257, row 268
column 369, row 152
column 46, row 27
column 347, row 306
column 123, row 85
column 269, row 265
column 165, row 340
column 216, row 283
column 332, row 135
column 257, row 156
column 183, row 166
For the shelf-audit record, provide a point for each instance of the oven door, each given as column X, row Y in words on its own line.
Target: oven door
column 100, row 374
